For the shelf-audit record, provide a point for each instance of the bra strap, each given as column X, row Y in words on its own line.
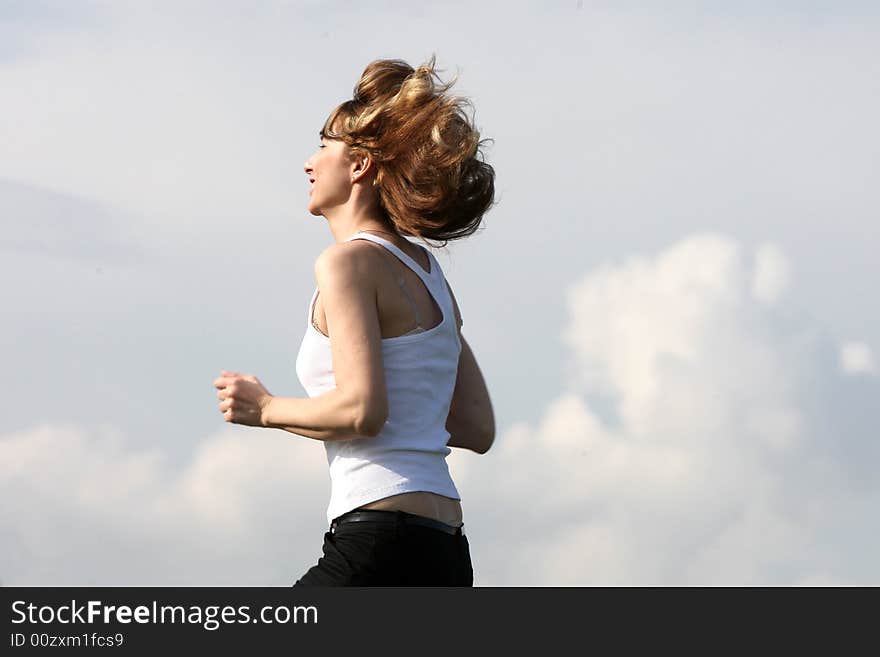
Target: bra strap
column 403, row 287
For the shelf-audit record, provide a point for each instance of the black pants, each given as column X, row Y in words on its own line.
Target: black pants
column 394, row 553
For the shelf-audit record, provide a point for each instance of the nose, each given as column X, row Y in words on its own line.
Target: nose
column 307, row 167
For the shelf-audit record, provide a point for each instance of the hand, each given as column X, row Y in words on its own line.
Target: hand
column 242, row 398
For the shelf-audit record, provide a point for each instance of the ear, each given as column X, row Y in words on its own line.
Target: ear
column 361, row 164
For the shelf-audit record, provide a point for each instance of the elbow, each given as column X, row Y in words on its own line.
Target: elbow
column 370, row 422
column 485, row 443
column 488, row 435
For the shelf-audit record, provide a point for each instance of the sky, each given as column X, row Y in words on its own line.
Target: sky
column 670, row 302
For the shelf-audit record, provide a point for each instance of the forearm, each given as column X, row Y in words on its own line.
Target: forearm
column 474, row 442
column 468, row 436
column 469, row 441
column 331, row 416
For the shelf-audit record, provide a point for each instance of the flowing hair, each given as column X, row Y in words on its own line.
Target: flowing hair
column 431, row 179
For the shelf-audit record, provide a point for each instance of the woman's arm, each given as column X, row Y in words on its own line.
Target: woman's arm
column 331, row 416
column 358, row 405
column 471, row 421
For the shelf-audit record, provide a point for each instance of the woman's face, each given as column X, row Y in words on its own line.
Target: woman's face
column 329, row 170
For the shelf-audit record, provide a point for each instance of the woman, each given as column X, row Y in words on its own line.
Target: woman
column 392, row 383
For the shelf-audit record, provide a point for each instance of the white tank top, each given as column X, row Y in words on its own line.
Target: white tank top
column 409, row 453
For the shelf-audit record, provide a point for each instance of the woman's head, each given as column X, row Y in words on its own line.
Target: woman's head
column 414, row 145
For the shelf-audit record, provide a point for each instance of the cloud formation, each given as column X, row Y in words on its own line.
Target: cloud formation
column 688, row 449
column 91, row 509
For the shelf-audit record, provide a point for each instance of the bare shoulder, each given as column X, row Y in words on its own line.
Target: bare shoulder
column 347, row 260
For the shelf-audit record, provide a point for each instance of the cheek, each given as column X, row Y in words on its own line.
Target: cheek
column 332, row 175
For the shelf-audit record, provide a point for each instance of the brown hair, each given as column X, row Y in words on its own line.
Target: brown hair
column 431, row 179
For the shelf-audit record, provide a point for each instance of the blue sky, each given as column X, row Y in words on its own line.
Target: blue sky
column 671, row 302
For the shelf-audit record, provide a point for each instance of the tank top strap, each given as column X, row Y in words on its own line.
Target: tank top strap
column 402, row 285
column 428, row 277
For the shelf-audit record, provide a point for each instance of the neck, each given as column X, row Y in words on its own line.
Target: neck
column 347, row 220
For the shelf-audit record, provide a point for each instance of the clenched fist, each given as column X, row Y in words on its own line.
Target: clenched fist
column 242, row 398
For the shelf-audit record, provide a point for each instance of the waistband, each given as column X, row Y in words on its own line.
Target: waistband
column 395, row 517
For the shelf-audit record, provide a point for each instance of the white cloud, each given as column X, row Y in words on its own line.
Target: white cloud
column 771, row 273
column 705, row 467
column 91, row 510
column 856, row 358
